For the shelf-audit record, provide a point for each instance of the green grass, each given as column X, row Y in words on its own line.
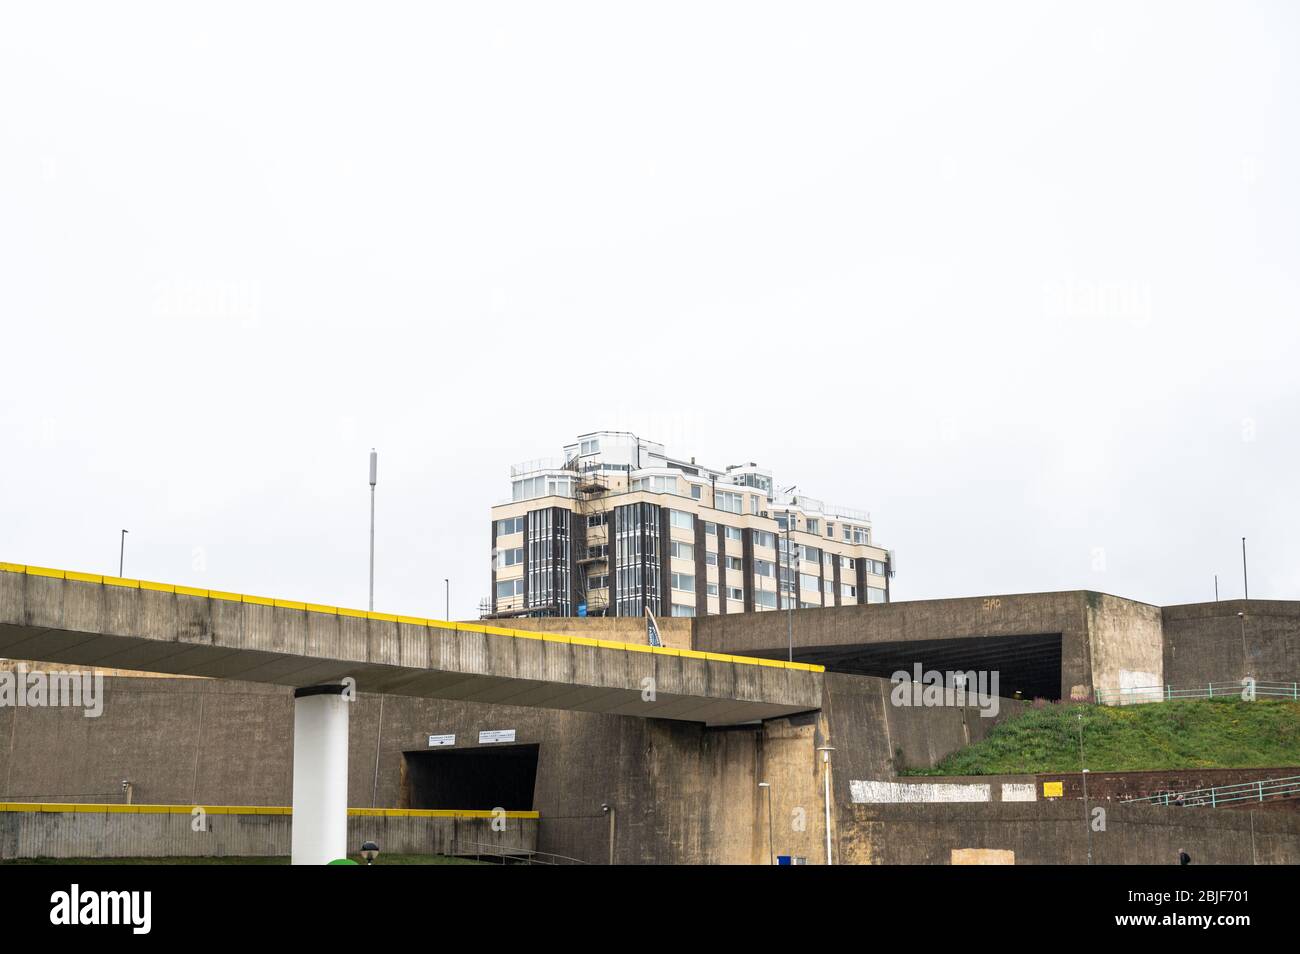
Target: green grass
column 1190, row 733
column 263, row 860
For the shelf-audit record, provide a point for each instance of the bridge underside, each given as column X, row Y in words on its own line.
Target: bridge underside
column 1030, row 665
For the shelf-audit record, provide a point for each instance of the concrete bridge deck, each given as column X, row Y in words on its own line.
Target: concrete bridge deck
column 70, row 618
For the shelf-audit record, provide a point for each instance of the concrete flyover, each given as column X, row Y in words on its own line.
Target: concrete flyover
column 60, row 616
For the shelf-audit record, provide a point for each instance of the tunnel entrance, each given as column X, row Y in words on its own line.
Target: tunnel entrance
column 1030, row 665
column 483, row 778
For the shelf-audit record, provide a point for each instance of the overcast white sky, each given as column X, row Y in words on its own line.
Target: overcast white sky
column 1020, row 279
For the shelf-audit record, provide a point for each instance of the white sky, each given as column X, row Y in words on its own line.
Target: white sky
column 1019, row 279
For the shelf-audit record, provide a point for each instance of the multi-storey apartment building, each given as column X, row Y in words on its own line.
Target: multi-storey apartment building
column 616, row 527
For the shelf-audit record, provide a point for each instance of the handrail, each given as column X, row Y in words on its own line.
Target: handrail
column 1256, row 791
column 1209, row 690
column 505, row 852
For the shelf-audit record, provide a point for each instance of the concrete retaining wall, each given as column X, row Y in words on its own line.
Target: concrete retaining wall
column 1054, row 833
column 168, row 831
column 1209, row 642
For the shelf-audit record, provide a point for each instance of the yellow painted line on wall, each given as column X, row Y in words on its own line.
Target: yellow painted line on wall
column 119, row 809
column 571, row 639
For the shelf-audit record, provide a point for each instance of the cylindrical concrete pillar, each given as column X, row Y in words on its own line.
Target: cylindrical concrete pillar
column 320, row 775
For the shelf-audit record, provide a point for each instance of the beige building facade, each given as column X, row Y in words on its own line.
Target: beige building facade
column 616, row 527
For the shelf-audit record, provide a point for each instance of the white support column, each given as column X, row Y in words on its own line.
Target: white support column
column 320, row 774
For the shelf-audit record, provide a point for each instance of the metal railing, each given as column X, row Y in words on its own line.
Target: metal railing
column 506, row 855
column 1209, row 690
column 1259, row 791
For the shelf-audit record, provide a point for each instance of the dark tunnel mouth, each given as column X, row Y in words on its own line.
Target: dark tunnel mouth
column 480, row 778
column 1030, row 665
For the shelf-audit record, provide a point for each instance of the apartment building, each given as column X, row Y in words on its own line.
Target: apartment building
column 616, row 527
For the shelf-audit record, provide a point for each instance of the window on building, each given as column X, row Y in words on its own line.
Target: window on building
column 849, row 591
column 508, row 588
column 765, row 598
column 684, row 581
column 763, row 568
column 736, row 593
column 656, row 485
column 830, row 530
column 683, row 551
column 875, row 594
column 734, row 533
column 544, row 485
column 681, row 610
column 710, row 558
column 510, row 525
column 598, row 582
column 753, row 504
column 710, row 528
column 597, row 519
column 696, row 491
column 809, row 583
column 711, row 589
column 681, row 519
column 510, row 557
column 590, row 447
column 764, row 538
column 735, row 563
column 730, row 502
column 811, row 554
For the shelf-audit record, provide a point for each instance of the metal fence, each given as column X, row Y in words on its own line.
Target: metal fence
column 1263, row 790
column 502, row 854
column 1209, row 690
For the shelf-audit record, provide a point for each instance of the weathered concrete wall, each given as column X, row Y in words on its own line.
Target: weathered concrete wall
column 1125, row 640
column 1054, row 833
column 681, row 792
column 1100, row 635
column 874, row 738
column 1209, row 642
column 153, row 834
column 676, row 632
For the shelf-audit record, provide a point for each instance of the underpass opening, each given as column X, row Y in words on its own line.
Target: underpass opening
column 480, row 778
column 1028, row 665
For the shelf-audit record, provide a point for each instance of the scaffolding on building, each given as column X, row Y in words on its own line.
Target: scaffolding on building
column 591, row 551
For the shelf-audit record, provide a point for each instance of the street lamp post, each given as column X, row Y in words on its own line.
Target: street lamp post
column 374, row 474
column 121, row 555
column 1245, row 580
column 771, row 851
column 826, row 751
column 1083, row 773
column 447, row 582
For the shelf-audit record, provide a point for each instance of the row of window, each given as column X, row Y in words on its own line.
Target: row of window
column 509, row 588
column 544, row 485
column 510, row 525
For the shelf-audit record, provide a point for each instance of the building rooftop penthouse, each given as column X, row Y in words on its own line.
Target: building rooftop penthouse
column 617, row 527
